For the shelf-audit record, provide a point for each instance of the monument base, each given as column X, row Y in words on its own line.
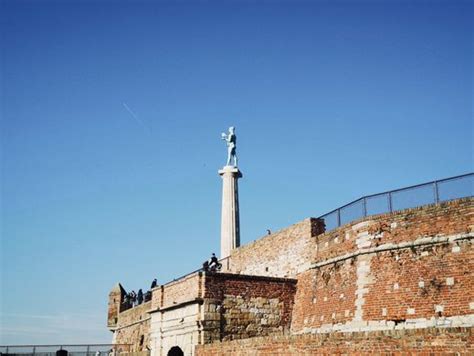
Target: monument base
column 230, row 169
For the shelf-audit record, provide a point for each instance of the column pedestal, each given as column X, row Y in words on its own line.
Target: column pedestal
column 230, row 222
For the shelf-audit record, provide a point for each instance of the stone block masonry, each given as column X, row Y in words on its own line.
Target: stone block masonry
column 240, row 306
column 206, row 307
column 133, row 327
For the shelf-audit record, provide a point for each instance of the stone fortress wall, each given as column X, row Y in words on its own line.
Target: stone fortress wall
column 133, row 327
column 242, row 306
column 377, row 279
column 206, row 307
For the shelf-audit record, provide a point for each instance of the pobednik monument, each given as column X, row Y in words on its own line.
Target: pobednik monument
column 230, row 173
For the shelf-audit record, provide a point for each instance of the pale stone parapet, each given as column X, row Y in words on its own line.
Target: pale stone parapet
column 466, row 321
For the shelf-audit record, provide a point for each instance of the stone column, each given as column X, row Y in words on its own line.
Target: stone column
column 230, row 224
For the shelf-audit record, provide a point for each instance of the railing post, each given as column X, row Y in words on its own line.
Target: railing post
column 364, row 205
column 338, row 217
column 390, row 206
column 87, row 351
column 34, row 350
column 7, row 349
column 436, row 192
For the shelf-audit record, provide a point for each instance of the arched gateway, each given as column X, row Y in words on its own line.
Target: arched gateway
column 175, row 351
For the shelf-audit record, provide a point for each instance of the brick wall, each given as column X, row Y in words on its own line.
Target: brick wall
column 414, row 268
column 444, row 219
column 324, row 296
column 115, row 305
column 156, row 294
column 417, row 341
column 181, row 290
column 281, row 254
column 242, row 306
column 133, row 327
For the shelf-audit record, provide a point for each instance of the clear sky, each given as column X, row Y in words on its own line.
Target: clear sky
column 111, row 114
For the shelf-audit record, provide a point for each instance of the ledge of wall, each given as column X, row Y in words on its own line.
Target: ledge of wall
column 427, row 341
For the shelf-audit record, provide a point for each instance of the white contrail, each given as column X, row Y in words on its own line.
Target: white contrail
column 134, row 115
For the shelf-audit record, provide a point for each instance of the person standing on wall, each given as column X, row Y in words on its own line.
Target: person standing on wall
column 140, row 297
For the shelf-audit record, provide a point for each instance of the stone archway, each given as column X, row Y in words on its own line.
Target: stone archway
column 175, row 351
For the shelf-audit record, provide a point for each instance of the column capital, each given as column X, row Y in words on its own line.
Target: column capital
column 231, row 170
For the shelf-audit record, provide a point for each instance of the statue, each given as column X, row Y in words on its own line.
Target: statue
column 231, row 141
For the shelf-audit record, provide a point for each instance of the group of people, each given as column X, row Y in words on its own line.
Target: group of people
column 133, row 299
column 212, row 265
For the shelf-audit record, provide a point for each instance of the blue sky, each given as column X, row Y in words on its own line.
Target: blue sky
column 111, row 114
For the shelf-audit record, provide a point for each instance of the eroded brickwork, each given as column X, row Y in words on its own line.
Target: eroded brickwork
column 445, row 219
column 432, row 341
column 133, row 327
column 281, row 254
column 181, row 290
column 424, row 282
column 115, row 306
column 409, row 269
column 323, row 296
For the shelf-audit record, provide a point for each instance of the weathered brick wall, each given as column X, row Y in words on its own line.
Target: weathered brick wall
column 241, row 306
column 281, row 254
column 425, row 282
column 181, row 290
column 133, row 327
column 430, row 341
column 414, row 268
column 325, row 296
column 115, row 305
column 156, row 294
column 443, row 219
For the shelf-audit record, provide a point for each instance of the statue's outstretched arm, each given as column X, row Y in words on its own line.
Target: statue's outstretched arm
column 225, row 137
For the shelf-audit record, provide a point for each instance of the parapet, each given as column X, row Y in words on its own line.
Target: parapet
column 284, row 253
column 116, row 297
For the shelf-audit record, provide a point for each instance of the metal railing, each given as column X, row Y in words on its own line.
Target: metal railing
column 73, row 350
column 409, row 197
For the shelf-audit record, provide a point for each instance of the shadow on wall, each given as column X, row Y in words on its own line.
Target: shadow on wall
column 175, row 351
